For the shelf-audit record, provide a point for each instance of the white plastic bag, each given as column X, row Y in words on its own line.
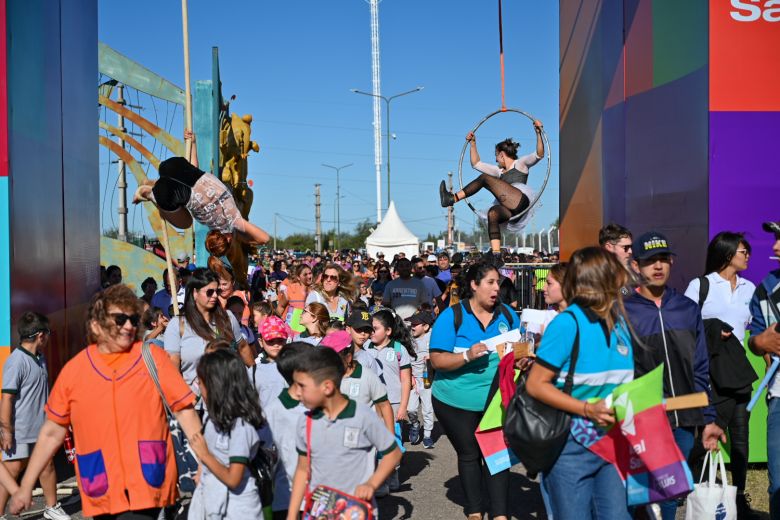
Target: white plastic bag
column 710, row 500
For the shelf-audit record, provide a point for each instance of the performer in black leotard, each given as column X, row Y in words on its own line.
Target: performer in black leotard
column 507, row 182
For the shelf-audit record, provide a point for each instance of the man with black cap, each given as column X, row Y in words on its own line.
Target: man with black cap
column 671, row 330
column 765, row 341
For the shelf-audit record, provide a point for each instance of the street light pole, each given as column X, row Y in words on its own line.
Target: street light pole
column 338, row 200
column 387, row 101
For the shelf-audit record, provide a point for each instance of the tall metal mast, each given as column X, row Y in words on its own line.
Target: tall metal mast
column 377, row 89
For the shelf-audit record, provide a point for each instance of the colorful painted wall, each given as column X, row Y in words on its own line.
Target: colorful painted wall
column 49, row 234
column 669, row 114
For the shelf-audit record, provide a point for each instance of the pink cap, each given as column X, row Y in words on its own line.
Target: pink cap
column 338, row 340
column 274, row 328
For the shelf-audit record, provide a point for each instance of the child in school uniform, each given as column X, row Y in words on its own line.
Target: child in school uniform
column 25, row 392
column 233, row 432
column 420, row 397
column 359, row 384
column 274, row 334
column 282, row 413
column 360, row 328
column 392, row 346
column 343, row 434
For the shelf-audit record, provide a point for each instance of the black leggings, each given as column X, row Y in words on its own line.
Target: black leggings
column 513, row 201
column 734, row 415
column 145, row 514
column 459, row 425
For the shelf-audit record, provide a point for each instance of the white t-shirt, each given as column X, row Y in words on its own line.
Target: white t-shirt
column 732, row 307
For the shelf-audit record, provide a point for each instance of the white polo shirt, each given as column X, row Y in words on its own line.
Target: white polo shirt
column 732, row 307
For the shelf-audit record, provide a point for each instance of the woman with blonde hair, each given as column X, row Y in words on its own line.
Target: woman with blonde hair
column 335, row 290
column 594, row 335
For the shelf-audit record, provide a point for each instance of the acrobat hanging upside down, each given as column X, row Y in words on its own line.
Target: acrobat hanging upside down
column 183, row 193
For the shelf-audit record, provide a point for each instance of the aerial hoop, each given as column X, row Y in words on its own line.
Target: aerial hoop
column 548, row 153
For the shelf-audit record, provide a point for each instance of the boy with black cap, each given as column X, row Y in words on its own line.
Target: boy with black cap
column 420, row 323
column 360, row 327
column 765, row 341
column 670, row 327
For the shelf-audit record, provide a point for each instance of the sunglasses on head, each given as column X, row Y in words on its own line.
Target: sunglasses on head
column 120, row 318
column 331, row 277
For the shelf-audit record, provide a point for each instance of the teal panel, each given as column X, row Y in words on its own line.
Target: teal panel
column 203, row 117
column 132, row 74
column 680, row 38
column 5, row 266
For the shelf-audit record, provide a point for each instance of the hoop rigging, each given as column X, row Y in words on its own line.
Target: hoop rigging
column 547, row 153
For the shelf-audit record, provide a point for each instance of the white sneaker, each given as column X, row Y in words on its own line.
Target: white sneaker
column 55, row 512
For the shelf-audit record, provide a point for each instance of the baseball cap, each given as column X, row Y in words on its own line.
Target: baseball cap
column 359, row 320
column 421, row 317
column 274, row 328
column 650, row 244
column 181, row 256
column 338, row 340
column 771, row 227
column 431, row 258
column 380, row 254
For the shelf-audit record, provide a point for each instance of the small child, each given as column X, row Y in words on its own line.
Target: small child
column 25, row 392
column 360, row 327
column 155, row 323
column 264, row 376
column 282, row 413
column 393, row 348
column 359, row 384
column 343, row 434
column 420, row 396
column 235, row 304
column 230, row 440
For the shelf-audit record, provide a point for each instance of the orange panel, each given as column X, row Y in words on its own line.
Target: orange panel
column 744, row 71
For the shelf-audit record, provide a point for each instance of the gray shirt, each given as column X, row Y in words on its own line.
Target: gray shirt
column 239, row 445
column 267, row 380
column 282, row 413
column 363, row 386
column 393, row 358
column 404, row 296
column 342, row 449
column 26, row 377
column 189, row 347
column 421, row 348
column 367, row 360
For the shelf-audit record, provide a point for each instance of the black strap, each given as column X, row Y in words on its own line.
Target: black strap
column 457, row 316
column 575, row 353
column 704, row 290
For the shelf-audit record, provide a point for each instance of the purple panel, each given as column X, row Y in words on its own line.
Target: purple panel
column 666, row 166
column 745, row 180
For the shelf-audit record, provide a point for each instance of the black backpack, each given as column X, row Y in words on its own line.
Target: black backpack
column 457, row 312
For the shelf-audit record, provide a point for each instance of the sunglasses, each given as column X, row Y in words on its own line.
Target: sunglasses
column 42, row 331
column 120, row 318
column 210, row 292
column 330, row 277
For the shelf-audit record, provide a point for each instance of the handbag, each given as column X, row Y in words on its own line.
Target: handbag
column 328, row 502
column 186, row 462
column 710, row 500
column 534, row 431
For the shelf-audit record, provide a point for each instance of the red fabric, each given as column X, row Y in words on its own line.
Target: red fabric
column 506, row 379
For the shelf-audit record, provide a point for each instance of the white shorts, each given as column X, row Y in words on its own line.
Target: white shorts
column 19, row 451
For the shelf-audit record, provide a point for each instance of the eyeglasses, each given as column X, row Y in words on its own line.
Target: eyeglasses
column 42, row 331
column 626, row 247
column 743, row 251
column 120, row 318
column 330, row 277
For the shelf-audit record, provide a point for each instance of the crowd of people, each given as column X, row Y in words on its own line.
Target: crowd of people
column 332, row 362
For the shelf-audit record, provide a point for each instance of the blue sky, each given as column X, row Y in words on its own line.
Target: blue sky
column 292, row 65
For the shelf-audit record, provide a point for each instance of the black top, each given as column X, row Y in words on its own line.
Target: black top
column 177, row 177
column 513, row 176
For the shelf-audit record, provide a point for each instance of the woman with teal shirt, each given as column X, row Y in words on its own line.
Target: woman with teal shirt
column 465, row 370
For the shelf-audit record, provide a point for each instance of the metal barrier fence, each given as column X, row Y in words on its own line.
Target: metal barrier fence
column 529, row 280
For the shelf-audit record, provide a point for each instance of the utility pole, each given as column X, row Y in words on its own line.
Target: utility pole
column 122, row 182
column 317, row 220
column 274, row 231
column 450, row 214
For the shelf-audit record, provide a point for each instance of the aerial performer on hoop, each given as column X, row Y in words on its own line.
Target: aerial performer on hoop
column 507, row 181
column 184, row 192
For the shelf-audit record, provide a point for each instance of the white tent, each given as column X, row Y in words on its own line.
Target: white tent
column 391, row 237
